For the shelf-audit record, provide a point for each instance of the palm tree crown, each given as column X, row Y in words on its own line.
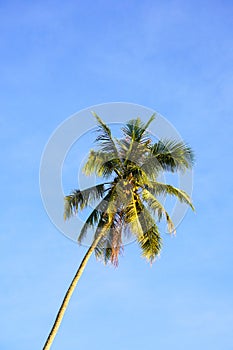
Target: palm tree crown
column 127, row 200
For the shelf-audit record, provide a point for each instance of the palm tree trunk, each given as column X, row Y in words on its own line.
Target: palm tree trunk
column 69, row 293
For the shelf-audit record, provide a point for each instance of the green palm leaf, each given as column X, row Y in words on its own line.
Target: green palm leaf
column 132, row 213
column 165, row 189
column 173, row 155
column 79, row 199
column 150, row 241
column 101, row 164
column 95, row 217
column 158, row 209
column 104, row 138
column 143, row 226
column 135, row 129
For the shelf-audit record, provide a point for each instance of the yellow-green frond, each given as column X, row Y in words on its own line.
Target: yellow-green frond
column 81, row 199
column 158, row 209
column 164, row 189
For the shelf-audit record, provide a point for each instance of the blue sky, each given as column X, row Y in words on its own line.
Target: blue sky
column 57, row 58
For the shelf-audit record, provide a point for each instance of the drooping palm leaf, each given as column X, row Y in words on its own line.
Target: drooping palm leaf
column 158, row 209
column 79, row 199
column 95, row 217
column 132, row 213
column 150, row 241
column 165, row 189
column 143, row 226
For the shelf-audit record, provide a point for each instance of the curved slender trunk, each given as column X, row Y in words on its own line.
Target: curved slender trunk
column 69, row 293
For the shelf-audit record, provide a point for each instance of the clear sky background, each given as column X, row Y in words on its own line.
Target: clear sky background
column 59, row 57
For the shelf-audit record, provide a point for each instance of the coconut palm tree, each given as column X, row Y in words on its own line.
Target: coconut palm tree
column 126, row 202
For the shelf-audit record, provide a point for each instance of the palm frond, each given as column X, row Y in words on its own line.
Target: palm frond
column 158, row 209
column 101, row 164
column 173, row 155
column 104, row 139
column 151, row 166
column 132, row 211
column 165, row 189
column 95, row 217
column 136, row 129
column 135, row 146
column 81, row 199
column 105, row 216
column 143, row 226
column 150, row 241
